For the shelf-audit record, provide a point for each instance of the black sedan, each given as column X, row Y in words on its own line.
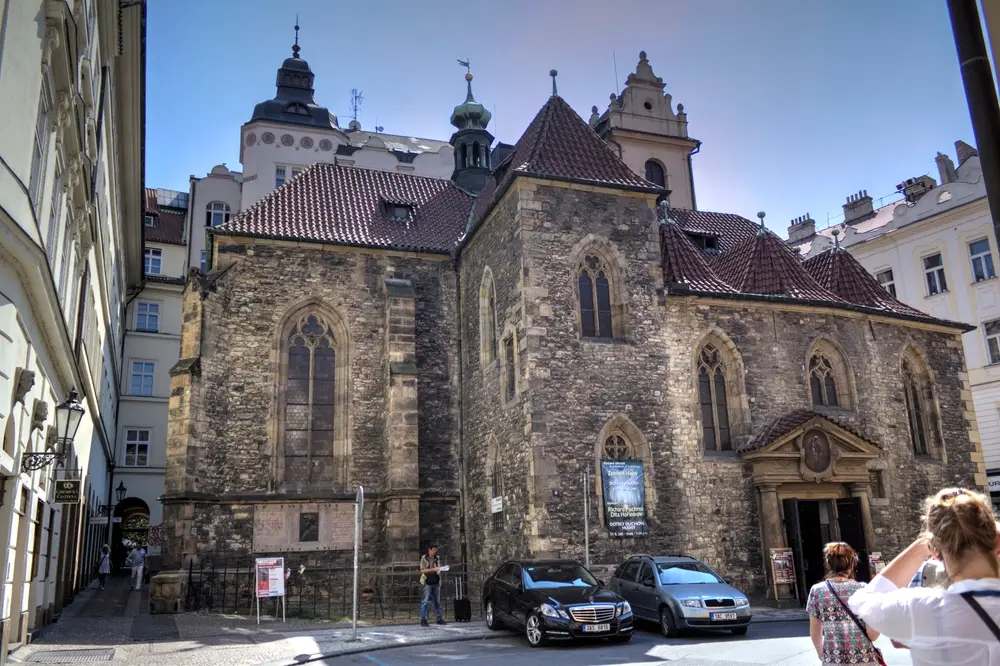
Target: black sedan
column 554, row 600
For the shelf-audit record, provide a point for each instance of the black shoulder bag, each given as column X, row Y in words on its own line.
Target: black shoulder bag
column 861, row 625
column 980, row 611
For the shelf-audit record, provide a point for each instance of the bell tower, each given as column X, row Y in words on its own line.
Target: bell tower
column 471, row 141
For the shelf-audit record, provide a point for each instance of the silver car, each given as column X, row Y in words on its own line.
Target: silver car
column 679, row 592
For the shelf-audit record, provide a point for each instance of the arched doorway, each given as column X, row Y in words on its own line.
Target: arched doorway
column 133, row 528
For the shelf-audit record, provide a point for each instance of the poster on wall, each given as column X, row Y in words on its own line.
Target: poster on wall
column 783, row 566
column 270, row 577
column 623, row 483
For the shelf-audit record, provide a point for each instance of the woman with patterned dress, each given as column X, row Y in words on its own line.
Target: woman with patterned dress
column 838, row 638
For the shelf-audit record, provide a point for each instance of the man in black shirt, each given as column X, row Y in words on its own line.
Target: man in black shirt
column 430, row 576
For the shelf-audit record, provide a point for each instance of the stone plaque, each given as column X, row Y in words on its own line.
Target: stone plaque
column 279, row 528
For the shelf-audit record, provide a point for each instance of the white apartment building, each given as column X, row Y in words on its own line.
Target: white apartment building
column 72, row 89
column 934, row 248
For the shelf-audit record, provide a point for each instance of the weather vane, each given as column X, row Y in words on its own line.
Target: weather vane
column 465, row 64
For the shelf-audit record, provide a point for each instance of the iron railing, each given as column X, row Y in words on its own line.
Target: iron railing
column 388, row 593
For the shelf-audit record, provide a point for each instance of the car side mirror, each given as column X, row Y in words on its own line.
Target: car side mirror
column 648, row 582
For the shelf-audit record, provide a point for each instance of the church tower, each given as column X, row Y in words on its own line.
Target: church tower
column 471, row 142
column 641, row 126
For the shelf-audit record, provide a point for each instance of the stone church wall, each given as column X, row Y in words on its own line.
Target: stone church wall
column 235, row 393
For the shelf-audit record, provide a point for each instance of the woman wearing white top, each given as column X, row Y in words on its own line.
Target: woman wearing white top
column 953, row 626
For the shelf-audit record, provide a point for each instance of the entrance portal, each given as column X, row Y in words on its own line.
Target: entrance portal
column 811, row 524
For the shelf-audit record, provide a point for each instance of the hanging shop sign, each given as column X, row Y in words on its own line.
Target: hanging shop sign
column 624, row 486
column 67, row 491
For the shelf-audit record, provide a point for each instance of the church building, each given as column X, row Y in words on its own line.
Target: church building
column 554, row 319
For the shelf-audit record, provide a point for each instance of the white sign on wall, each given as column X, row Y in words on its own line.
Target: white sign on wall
column 496, row 505
column 994, row 482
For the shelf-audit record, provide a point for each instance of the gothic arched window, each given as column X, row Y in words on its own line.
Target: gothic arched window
column 310, row 400
column 713, row 400
column 655, row 173
column 822, row 382
column 487, row 319
column 595, row 299
column 921, row 409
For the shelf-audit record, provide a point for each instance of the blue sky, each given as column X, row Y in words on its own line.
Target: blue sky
column 798, row 104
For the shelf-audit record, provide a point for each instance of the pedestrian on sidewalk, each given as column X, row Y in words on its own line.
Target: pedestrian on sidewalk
column 104, row 565
column 136, row 560
column 838, row 636
column 430, row 578
column 957, row 624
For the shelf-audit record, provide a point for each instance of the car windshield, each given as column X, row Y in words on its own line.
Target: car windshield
column 543, row 576
column 685, row 573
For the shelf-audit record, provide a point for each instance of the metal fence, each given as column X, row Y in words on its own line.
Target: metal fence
column 387, row 593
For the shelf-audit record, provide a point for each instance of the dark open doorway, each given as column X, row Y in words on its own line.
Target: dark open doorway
column 852, row 530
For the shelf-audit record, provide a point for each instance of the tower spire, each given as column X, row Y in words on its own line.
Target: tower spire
column 295, row 47
column 553, row 73
column 472, row 141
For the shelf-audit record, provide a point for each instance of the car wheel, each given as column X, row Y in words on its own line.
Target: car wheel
column 533, row 631
column 624, row 638
column 667, row 624
column 742, row 631
column 491, row 619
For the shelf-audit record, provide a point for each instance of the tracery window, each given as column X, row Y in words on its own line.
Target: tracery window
column 617, row 447
column 713, row 400
column 310, row 398
column 595, row 299
column 823, row 382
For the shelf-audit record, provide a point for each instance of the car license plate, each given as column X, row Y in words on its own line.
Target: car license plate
column 595, row 628
column 723, row 616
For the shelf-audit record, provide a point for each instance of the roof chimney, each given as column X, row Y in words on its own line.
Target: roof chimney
column 802, row 227
column 946, row 168
column 914, row 188
column 858, row 207
column 965, row 151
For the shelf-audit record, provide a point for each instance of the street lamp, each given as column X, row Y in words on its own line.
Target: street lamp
column 69, row 415
column 120, row 492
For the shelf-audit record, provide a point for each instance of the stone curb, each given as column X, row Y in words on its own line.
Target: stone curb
column 439, row 640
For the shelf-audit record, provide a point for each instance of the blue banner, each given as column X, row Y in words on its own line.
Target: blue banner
column 624, row 488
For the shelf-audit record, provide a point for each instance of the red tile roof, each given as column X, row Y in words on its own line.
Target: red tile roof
column 346, row 205
column 559, row 144
column 786, row 423
column 168, row 227
column 684, row 264
column 765, row 265
column 731, row 230
column 838, row 271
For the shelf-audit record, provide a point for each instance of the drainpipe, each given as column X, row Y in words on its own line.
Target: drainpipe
column 697, row 149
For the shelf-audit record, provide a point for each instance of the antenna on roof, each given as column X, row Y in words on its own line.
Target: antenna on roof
column 356, row 99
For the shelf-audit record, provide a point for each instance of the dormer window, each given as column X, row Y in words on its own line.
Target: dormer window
column 398, row 212
column 148, row 219
column 297, row 109
column 706, row 242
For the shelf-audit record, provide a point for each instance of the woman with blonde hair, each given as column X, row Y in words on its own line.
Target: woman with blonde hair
column 838, row 636
column 953, row 625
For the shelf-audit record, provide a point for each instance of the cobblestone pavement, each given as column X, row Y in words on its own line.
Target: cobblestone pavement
column 113, row 626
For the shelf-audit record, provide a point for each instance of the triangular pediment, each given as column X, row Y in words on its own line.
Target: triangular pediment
column 783, row 434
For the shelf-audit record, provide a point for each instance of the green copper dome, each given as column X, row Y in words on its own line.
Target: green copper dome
column 470, row 114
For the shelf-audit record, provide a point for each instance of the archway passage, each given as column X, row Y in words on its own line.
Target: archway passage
column 133, row 528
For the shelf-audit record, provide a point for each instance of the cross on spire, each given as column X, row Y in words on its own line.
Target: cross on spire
column 295, row 48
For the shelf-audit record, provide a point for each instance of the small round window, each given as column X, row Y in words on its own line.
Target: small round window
column 267, row 137
column 648, row 105
column 325, row 144
column 287, row 140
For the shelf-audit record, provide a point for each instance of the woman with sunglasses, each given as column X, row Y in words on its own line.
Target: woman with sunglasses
column 953, row 625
